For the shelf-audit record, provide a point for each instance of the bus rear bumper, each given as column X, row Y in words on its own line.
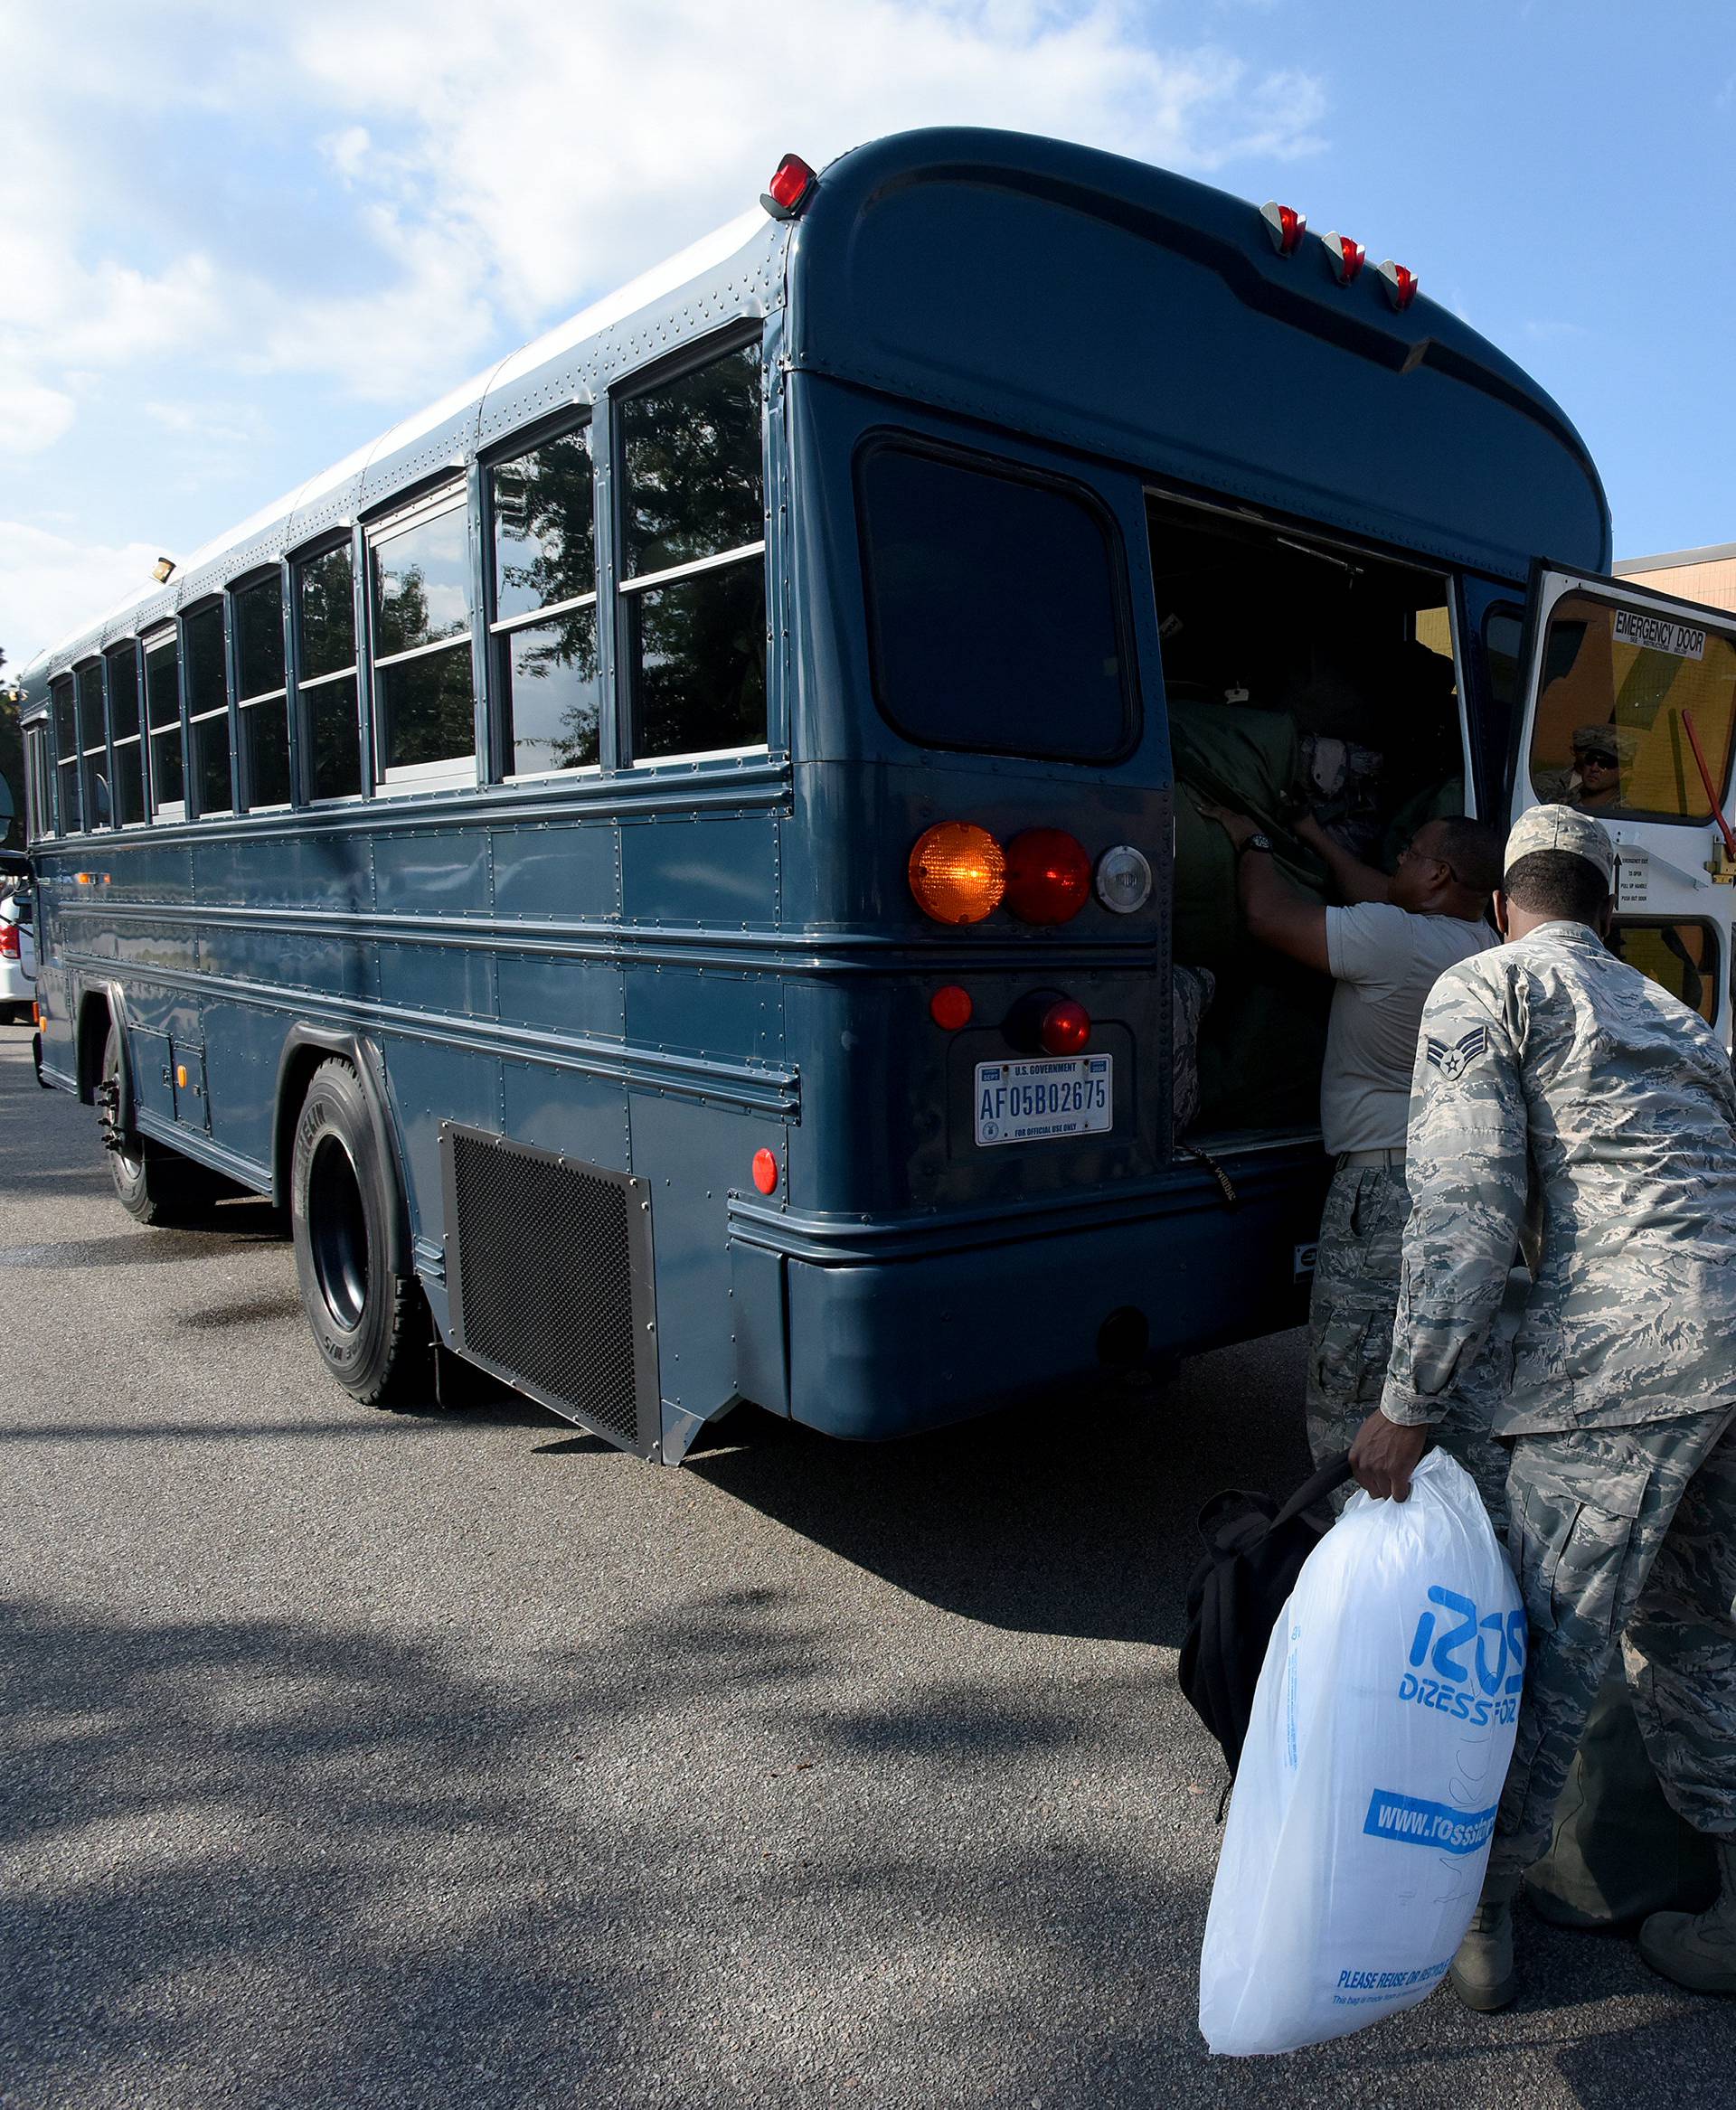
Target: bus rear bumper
column 868, row 1332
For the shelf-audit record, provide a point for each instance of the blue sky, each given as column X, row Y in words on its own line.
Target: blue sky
column 234, row 247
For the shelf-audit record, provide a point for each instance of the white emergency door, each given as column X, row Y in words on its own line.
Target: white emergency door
column 1621, row 684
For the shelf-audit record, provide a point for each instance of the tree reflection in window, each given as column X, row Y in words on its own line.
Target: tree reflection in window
column 424, row 693
column 692, row 451
column 331, row 735
column 549, row 676
column 695, row 510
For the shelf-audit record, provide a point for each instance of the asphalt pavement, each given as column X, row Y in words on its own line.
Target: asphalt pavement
column 439, row 1759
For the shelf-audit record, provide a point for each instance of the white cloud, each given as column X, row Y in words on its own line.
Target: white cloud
column 51, row 584
column 200, row 205
column 31, row 417
column 565, row 159
column 499, row 165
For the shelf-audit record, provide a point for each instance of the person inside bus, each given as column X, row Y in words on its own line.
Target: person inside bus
column 1593, row 783
column 1384, row 949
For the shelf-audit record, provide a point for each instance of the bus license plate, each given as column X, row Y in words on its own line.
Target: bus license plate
column 1034, row 1102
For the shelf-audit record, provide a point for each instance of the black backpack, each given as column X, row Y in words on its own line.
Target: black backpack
column 1254, row 1551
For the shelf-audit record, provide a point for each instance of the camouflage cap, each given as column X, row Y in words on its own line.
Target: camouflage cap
column 1561, row 827
column 1619, row 742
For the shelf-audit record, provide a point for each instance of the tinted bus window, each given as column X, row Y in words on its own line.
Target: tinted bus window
column 64, row 719
column 331, row 733
column 424, row 696
column 202, row 643
column 262, row 700
column 163, row 715
column 993, row 610
column 93, row 743
column 694, row 512
column 125, row 736
column 1618, row 690
column 547, row 680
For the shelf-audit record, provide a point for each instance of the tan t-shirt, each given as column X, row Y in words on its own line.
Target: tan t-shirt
column 1386, row 960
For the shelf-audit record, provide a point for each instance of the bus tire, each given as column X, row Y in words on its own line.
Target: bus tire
column 370, row 1324
column 153, row 1183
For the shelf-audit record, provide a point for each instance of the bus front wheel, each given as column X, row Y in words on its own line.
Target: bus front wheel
column 370, row 1324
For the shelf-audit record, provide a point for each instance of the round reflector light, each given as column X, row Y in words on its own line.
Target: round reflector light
column 951, row 1007
column 765, row 1171
column 1048, row 876
column 957, row 872
column 1066, row 1028
column 1124, row 879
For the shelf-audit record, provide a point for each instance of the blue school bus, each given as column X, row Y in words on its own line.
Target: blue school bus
column 667, row 865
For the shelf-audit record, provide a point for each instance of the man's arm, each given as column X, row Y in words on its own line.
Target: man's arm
column 1465, row 1166
column 1276, row 914
column 1354, row 881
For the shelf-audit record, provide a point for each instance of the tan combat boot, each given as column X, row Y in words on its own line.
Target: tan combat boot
column 1483, row 1975
column 1699, row 1953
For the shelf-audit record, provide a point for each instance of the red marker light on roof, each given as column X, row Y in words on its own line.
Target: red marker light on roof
column 1401, row 285
column 791, row 185
column 1345, row 256
column 1285, row 225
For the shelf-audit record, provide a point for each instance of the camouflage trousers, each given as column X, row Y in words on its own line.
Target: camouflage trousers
column 1350, row 1310
column 1626, row 1533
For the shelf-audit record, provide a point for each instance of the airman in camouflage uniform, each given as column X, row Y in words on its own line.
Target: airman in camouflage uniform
column 1561, row 1097
column 1356, row 1272
column 1383, row 949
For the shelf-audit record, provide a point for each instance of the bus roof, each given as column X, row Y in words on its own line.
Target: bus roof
column 1113, row 308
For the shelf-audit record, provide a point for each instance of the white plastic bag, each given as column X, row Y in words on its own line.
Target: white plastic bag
column 1364, row 1803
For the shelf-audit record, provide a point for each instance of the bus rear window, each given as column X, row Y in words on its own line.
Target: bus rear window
column 994, row 614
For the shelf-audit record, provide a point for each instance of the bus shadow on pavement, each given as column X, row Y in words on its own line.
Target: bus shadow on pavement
column 1072, row 1516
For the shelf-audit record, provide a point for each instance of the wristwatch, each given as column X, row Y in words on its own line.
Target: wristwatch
column 1257, row 841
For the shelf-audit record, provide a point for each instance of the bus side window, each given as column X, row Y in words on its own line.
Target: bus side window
column 39, row 795
column 547, row 691
column 93, row 747
column 424, row 694
column 202, row 643
column 66, row 754
column 330, row 728
column 694, row 560
column 125, row 737
column 261, row 698
column 163, row 722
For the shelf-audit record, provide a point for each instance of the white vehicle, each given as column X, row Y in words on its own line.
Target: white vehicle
column 17, row 948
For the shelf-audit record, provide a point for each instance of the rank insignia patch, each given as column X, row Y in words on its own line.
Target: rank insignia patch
column 1454, row 1061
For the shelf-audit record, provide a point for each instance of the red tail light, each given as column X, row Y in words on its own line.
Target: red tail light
column 1066, row 1028
column 1048, row 876
column 765, row 1171
column 9, row 946
column 787, row 191
column 951, row 1007
column 1285, row 226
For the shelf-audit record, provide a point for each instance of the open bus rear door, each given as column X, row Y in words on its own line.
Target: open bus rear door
column 1630, row 713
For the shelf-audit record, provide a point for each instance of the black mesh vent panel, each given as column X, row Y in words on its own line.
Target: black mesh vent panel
column 549, row 1269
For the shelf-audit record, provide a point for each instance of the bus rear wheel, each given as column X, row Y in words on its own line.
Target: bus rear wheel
column 369, row 1324
column 153, row 1183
